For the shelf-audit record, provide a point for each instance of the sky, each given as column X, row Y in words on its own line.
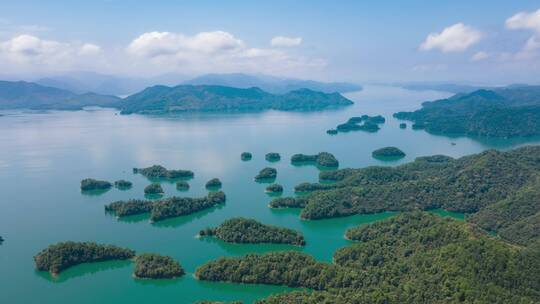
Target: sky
column 483, row 42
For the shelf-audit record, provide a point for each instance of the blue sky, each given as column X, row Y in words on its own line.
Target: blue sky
column 327, row 40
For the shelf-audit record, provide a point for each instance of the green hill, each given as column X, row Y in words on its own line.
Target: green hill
column 188, row 98
column 504, row 112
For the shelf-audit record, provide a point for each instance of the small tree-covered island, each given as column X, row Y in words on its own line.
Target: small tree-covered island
column 214, row 183
column 90, row 184
column 274, row 188
column 272, row 157
column 155, row 266
column 388, row 152
column 413, row 257
column 166, row 208
column 266, row 174
column 153, row 189
column 323, row 159
column 61, row 256
column 157, row 171
column 245, row 156
column 362, row 123
column 242, row 230
column 123, row 184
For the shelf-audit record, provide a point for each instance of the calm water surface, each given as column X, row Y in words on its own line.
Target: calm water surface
column 43, row 157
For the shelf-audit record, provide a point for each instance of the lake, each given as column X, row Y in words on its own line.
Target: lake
column 44, row 156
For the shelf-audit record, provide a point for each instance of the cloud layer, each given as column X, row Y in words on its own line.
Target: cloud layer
column 455, row 38
column 158, row 53
column 282, row 41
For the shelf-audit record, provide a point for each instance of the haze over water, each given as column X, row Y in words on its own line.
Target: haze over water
column 44, row 156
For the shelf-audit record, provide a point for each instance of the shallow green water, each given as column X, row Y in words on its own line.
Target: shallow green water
column 43, row 157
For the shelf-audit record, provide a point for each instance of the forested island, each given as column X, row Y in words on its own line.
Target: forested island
column 499, row 190
column 266, row 174
column 155, row 266
column 323, row 159
column 512, row 111
column 242, row 230
column 157, row 171
column 414, row 257
column 61, row 256
column 274, row 188
column 189, row 98
column 214, row 183
column 272, row 157
column 362, row 123
column 90, row 184
column 153, row 189
column 123, row 184
column 166, row 208
column 245, row 156
column 388, row 152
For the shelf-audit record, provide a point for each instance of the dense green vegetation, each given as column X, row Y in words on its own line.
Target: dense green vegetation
column 165, row 208
column 411, row 258
column 182, row 186
column 266, row 174
column 157, row 171
column 178, row 206
column 500, row 112
column 245, row 156
column 288, row 202
column 272, row 157
column 123, row 184
column 184, row 98
column 323, row 159
column 153, row 189
column 129, row 207
column 61, row 256
column 213, row 183
column 89, row 184
column 362, row 123
column 274, row 188
column 497, row 188
column 388, row 152
column 155, row 266
column 242, row 230
column 28, row 95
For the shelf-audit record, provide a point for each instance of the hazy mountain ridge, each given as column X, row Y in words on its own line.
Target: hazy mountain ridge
column 28, row 95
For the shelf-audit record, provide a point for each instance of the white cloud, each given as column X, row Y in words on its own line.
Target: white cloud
column 455, row 38
column 31, row 53
column 89, row 49
column 282, row 41
column 525, row 20
column 216, row 51
column 479, row 56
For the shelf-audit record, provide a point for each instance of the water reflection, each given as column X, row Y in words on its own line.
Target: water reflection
column 82, row 270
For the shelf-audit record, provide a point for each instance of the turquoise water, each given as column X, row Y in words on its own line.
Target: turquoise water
column 44, row 155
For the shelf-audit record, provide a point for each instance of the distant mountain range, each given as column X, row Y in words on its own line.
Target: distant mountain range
column 185, row 98
column 272, row 84
column 82, row 82
column 502, row 112
column 21, row 94
column 163, row 99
